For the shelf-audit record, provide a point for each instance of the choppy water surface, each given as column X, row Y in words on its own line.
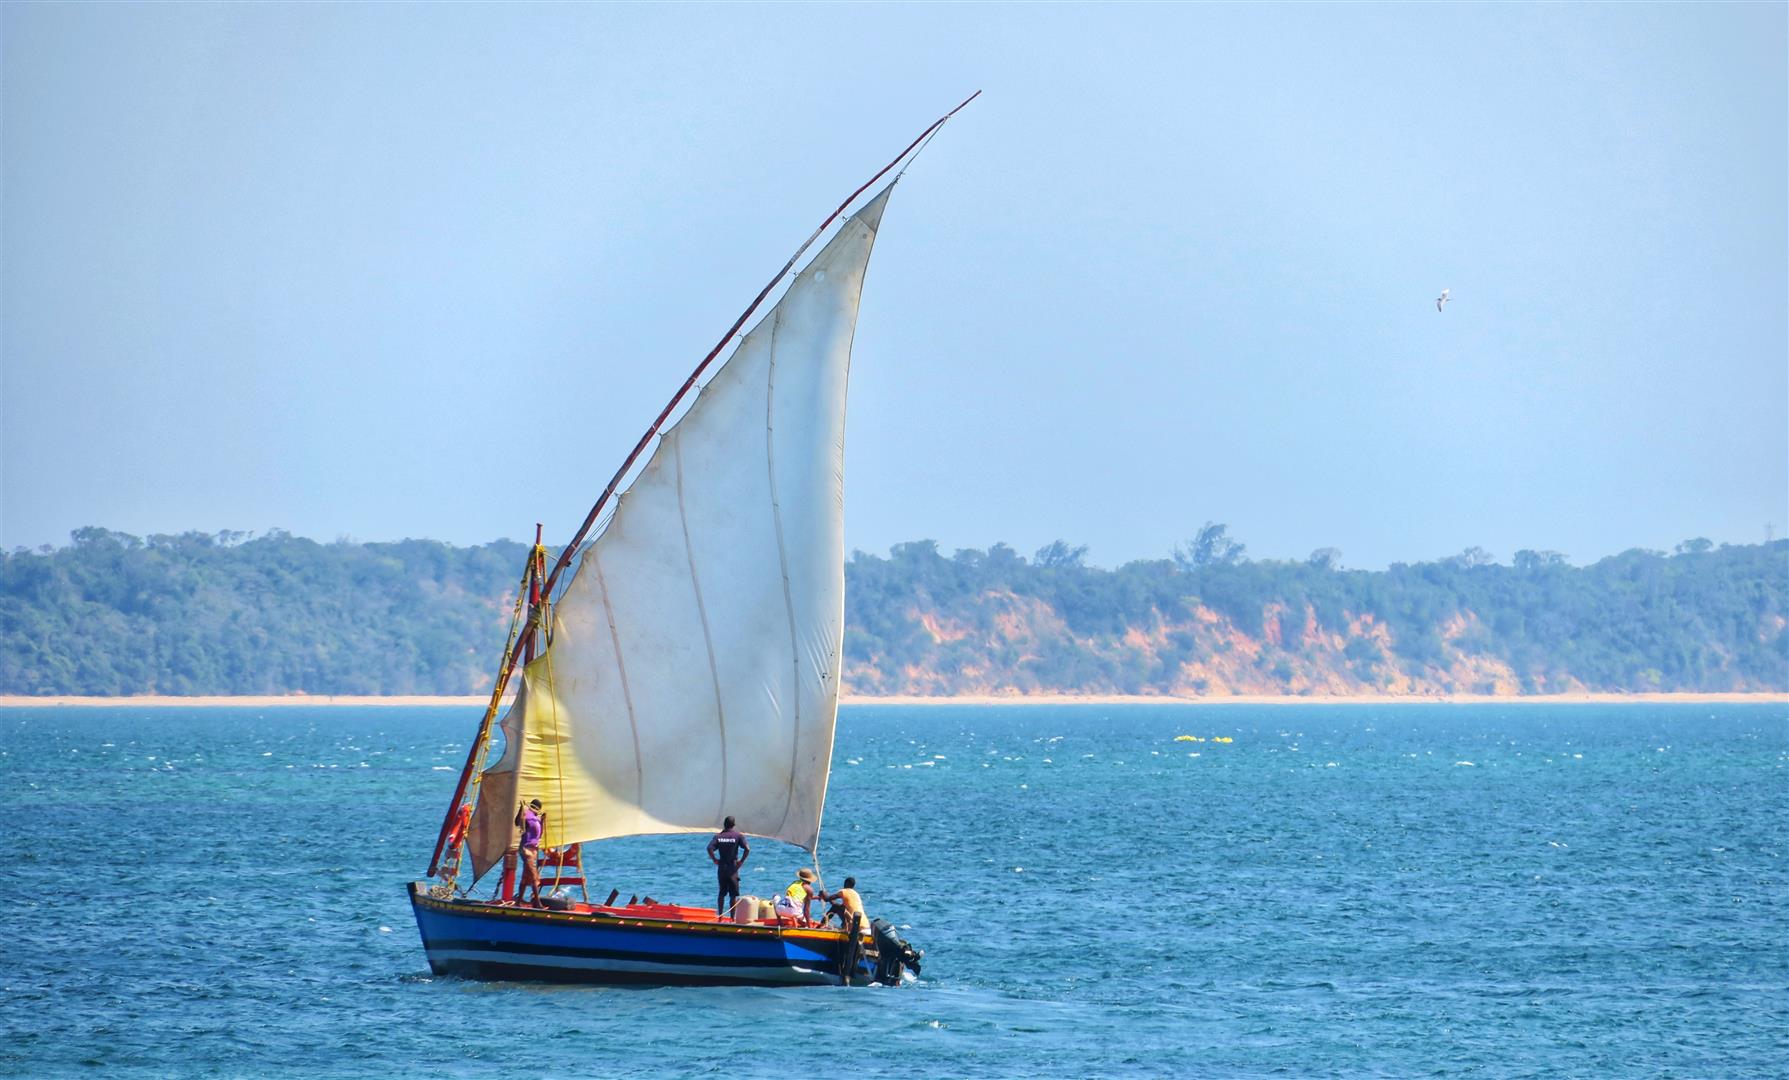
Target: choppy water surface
column 1501, row 891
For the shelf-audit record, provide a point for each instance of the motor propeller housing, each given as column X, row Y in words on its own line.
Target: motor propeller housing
column 892, row 953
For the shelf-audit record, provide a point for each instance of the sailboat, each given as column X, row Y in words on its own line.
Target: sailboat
column 686, row 672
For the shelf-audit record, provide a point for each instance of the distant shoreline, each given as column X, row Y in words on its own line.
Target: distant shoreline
column 283, row 700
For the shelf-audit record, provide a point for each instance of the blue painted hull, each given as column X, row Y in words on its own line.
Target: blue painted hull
column 489, row 941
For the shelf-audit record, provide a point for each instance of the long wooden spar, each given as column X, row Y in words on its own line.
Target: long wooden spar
column 526, row 643
column 565, row 557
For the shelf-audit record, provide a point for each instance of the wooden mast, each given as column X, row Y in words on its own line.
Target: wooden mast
column 531, row 582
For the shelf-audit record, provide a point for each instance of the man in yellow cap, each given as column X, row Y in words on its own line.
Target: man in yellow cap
column 801, row 891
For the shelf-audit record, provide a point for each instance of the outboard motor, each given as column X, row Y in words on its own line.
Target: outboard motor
column 892, row 954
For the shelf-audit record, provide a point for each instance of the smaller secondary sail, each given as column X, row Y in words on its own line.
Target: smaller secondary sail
column 493, row 829
column 693, row 669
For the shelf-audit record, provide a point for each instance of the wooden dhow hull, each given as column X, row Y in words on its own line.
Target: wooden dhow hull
column 477, row 940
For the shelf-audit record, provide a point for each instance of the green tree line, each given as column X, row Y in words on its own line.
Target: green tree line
column 229, row 614
column 197, row 613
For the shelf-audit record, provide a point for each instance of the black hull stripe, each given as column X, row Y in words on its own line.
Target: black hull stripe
column 496, row 970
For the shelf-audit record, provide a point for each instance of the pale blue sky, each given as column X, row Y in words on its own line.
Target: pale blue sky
column 337, row 269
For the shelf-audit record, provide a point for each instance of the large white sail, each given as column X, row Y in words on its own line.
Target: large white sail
column 693, row 670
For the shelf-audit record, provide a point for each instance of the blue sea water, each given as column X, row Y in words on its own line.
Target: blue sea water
column 1523, row 890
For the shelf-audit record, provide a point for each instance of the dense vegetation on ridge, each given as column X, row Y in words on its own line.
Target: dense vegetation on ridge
column 233, row 614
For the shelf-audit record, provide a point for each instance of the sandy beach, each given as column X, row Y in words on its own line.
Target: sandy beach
column 254, row 701
column 277, row 701
column 1322, row 699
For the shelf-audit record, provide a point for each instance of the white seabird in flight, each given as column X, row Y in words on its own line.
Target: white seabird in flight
column 1441, row 301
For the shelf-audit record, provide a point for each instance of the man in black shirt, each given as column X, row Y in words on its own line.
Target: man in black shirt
column 728, row 851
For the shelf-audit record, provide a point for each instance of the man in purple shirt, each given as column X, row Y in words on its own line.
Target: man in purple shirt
column 728, row 851
column 533, row 821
